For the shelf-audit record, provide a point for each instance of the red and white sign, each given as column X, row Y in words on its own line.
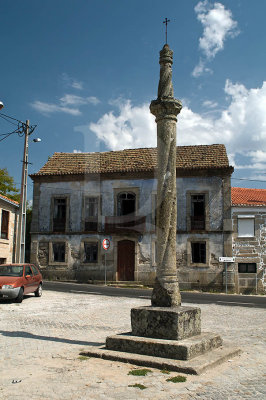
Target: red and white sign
column 106, row 244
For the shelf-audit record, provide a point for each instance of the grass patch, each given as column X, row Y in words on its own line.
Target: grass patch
column 176, row 379
column 82, row 358
column 138, row 385
column 139, row 372
column 165, row 371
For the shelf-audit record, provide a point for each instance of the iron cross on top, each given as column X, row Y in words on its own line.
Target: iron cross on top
column 166, row 23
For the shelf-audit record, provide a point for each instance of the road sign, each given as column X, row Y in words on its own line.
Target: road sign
column 227, row 259
column 106, row 244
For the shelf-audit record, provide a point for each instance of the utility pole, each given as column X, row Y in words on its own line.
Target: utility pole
column 26, row 129
column 20, row 248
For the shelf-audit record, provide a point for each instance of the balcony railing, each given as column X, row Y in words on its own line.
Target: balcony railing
column 198, row 223
column 59, row 225
column 125, row 224
column 91, row 225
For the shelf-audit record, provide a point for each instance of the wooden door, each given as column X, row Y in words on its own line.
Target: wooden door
column 125, row 260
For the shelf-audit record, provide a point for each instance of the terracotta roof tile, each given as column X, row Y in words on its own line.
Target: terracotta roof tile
column 10, row 200
column 248, row 197
column 133, row 160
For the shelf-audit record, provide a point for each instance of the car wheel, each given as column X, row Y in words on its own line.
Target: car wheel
column 20, row 296
column 38, row 292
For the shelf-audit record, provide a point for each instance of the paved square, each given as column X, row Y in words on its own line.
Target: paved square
column 40, row 341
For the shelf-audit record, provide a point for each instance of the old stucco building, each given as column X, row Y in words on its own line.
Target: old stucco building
column 249, row 239
column 80, row 199
column 8, row 225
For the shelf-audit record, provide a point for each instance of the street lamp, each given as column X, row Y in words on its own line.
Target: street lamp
column 26, row 130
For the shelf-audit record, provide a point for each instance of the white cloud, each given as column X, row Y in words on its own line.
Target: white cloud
column 48, row 108
column 77, row 151
column 72, row 99
column 68, row 104
column 133, row 127
column 71, row 82
column 210, row 104
column 241, row 126
column 218, row 25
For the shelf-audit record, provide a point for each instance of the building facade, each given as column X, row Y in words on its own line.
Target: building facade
column 249, row 239
column 80, row 199
column 8, row 226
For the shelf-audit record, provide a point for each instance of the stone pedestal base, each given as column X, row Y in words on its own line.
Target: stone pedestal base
column 172, row 323
column 166, row 338
column 178, row 350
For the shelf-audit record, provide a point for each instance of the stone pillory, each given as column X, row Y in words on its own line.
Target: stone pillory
column 166, row 290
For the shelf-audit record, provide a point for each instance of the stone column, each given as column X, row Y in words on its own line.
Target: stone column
column 166, row 290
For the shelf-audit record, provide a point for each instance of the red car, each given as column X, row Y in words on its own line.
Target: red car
column 19, row 279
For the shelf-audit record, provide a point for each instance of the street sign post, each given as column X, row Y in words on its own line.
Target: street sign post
column 106, row 244
column 226, row 260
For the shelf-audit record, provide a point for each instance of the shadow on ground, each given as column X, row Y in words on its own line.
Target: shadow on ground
column 28, row 335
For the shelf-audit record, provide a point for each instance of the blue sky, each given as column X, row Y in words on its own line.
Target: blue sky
column 85, row 72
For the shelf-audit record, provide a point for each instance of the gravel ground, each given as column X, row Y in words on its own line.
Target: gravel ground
column 40, row 342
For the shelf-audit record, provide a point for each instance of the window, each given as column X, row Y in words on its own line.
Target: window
column 198, row 252
column 247, row 268
column 28, row 270
column 90, row 252
column 198, row 212
column 91, row 214
column 4, row 224
column 246, row 226
column 59, row 251
column 59, row 215
column 126, row 203
column 35, row 271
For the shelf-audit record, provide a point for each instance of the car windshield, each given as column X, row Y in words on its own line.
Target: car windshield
column 11, row 270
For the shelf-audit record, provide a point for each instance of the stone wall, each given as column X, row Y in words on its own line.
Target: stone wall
column 250, row 250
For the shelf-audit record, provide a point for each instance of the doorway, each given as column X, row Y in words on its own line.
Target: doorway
column 125, row 260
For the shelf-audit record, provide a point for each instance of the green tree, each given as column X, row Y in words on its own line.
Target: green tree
column 7, row 185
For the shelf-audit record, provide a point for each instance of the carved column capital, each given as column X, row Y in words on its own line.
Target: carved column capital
column 166, row 108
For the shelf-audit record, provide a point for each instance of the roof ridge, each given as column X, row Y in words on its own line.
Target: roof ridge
column 134, row 160
column 7, row 198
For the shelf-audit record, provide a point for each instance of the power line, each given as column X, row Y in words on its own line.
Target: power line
column 7, row 135
column 245, row 179
column 6, row 119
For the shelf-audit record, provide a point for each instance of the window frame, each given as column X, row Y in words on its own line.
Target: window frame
column 189, row 195
column 245, row 218
column 53, row 198
column 51, row 252
column 7, row 212
column 82, row 251
column 117, row 191
column 247, row 264
column 91, row 219
column 190, row 262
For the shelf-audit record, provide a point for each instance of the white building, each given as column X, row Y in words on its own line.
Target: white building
column 8, row 225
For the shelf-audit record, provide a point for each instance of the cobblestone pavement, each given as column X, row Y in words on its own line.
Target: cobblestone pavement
column 40, row 341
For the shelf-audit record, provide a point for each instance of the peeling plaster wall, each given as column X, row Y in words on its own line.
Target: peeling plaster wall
column 145, row 268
